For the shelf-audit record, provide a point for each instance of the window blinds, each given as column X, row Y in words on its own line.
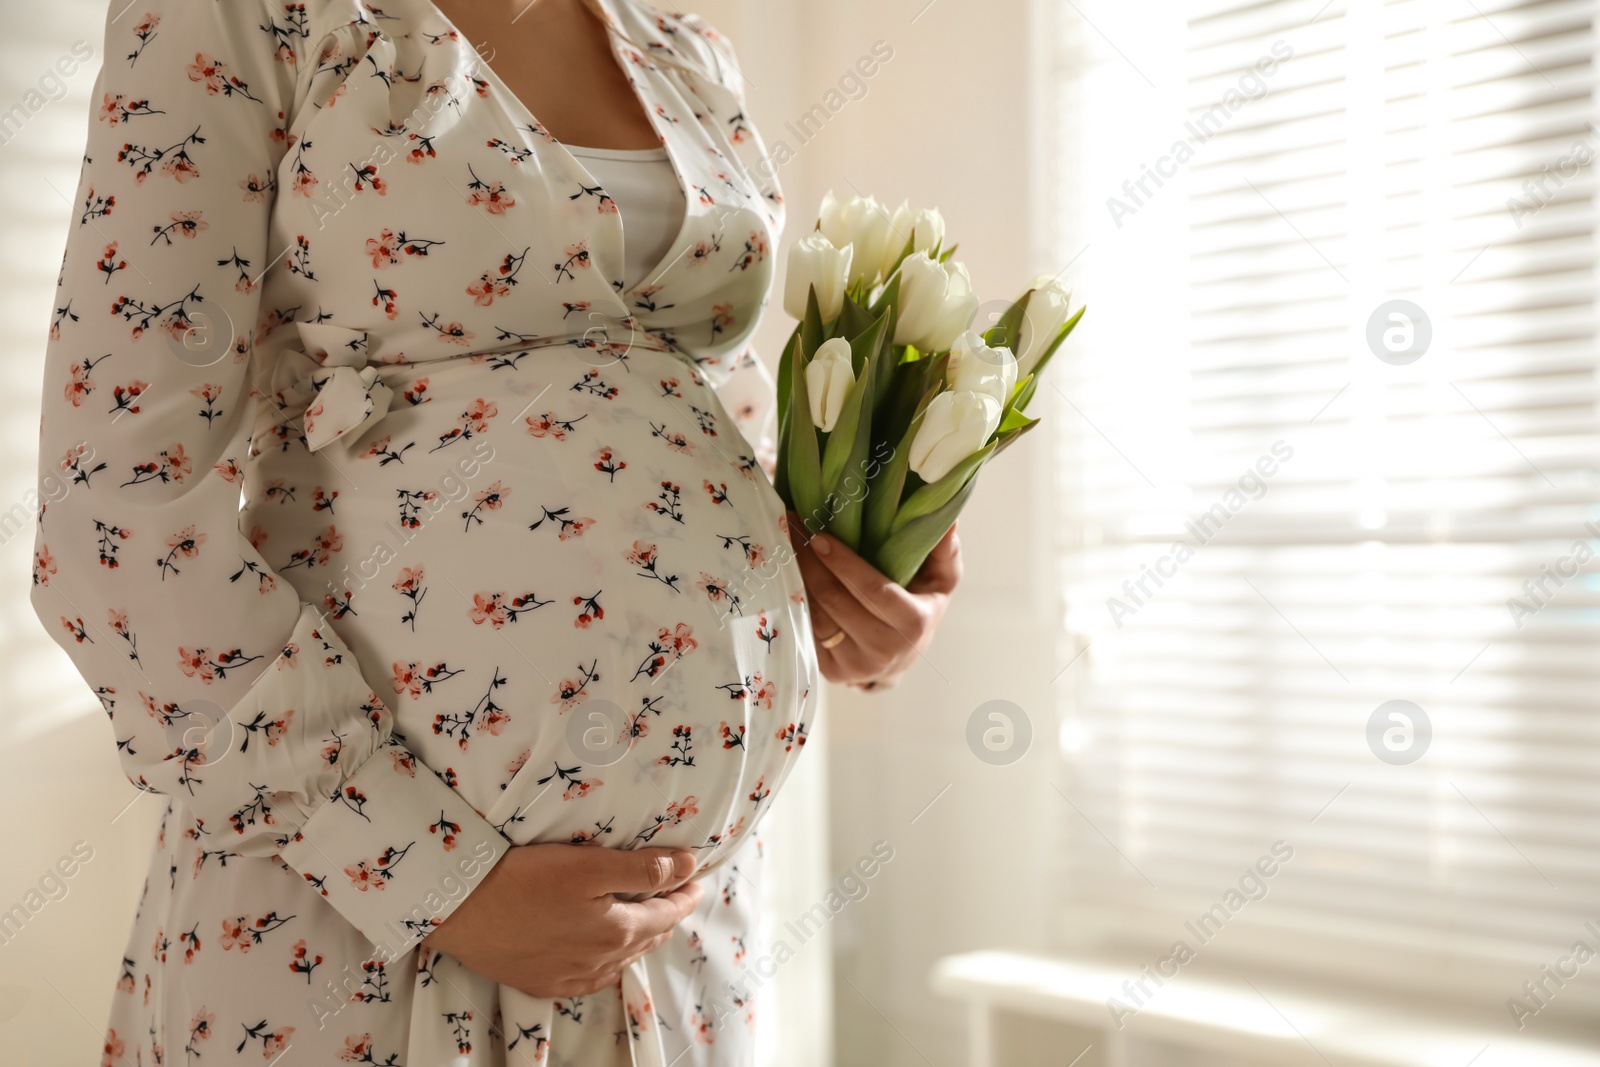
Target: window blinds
column 1287, row 501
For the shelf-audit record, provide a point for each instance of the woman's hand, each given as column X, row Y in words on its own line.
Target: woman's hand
column 545, row 921
column 876, row 629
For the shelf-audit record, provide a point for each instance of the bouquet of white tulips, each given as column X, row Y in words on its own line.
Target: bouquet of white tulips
column 888, row 401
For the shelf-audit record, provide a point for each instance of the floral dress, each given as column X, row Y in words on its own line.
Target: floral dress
column 391, row 529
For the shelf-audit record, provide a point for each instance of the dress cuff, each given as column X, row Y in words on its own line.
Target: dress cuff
column 396, row 850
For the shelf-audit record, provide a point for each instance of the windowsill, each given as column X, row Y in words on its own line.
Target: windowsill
column 1268, row 1020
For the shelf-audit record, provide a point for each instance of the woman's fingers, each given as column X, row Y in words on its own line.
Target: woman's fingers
column 583, row 987
column 885, row 626
column 869, row 643
column 654, row 943
column 826, row 586
column 881, row 629
column 548, row 920
column 658, row 915
column 866, row 584
column 644, row 870
column 838, row 604
column 823, row 625
column 865, row 639
column 942, row 569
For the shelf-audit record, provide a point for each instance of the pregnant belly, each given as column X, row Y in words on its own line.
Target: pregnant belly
column 572, row 585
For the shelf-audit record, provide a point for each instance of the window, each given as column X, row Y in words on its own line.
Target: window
column 1329, row 440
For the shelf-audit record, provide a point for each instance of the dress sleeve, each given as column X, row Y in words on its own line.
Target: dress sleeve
column 224, row 689
column 724, row 73
column 749, row 393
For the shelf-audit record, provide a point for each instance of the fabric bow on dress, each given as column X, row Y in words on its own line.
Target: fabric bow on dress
column 348, row 402
column 330, row 374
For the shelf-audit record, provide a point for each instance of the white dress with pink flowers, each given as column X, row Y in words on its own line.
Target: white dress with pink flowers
column 508, row 567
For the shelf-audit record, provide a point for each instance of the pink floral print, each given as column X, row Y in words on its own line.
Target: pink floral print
column 384, row 494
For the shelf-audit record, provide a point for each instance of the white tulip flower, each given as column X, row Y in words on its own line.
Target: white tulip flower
column 1047, row 311
column 829, row 219
column 830, row 379
column 955, row 425
column 813, row 260
column 924, row 226
column 975, row 367
column 960, row 305
column 863, row 224
column 936, row 302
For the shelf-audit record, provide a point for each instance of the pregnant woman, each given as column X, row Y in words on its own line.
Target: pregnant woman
column 419, row 537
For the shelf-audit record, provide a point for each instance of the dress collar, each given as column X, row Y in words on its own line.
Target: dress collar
column 665, row 108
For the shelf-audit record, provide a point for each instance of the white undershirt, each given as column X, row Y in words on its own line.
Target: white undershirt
column 644, row 187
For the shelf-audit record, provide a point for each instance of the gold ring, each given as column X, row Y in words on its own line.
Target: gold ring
column 834, row 639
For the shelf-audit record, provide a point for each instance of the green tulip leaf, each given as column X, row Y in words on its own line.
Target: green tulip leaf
column 883, row 499
column 1066, row 328
column 812, row 329
column 928, row 376
column 804, row 480
column 865, row 346
column 852, row 481
column 889, row 298
column 781, row 481
column 853, row 318
column 1008, row 331
column 783, row 371
column 935, row 495
column 1025, row 390
column 1004, row 439
column 1014, row 419
column 888, row 358
column 780, row 474
column 907, row 386
column 902, row 555
column 1025, row 386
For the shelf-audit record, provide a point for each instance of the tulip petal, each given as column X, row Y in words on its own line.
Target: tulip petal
column 829, row 381
column 956, row 424
column 1048, row 309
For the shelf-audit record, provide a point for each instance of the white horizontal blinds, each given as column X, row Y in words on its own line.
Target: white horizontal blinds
column 1405, row 504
